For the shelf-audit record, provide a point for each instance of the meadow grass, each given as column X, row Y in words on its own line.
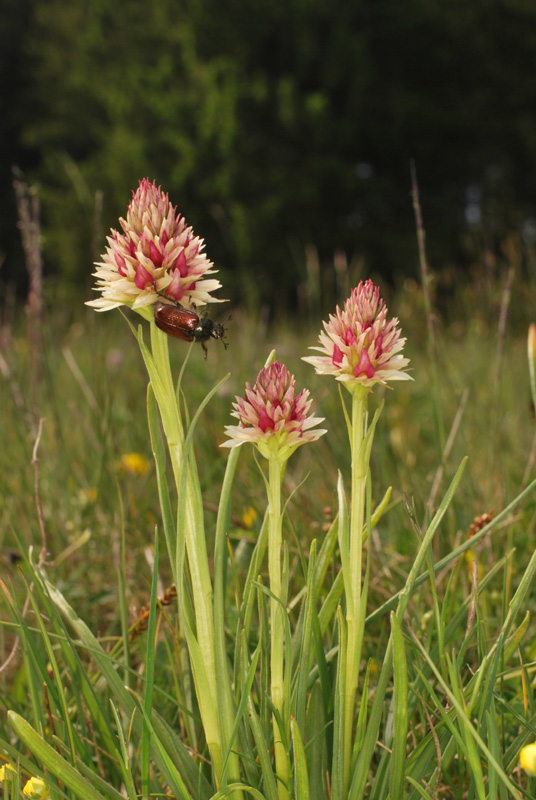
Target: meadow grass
column 462, row 644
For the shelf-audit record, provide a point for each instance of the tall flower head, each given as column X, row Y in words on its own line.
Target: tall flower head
column 359, row 345
column 272, row 416
column 155, row 244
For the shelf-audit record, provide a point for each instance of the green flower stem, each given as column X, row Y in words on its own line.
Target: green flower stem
column 165, row 392
column 355, row 603
column 277, row 625
column 195, row 548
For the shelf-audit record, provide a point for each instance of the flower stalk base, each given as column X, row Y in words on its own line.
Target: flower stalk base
column 277, row 629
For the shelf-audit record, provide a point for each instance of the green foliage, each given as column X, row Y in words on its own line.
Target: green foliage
column 444, row 687
column 275, row 126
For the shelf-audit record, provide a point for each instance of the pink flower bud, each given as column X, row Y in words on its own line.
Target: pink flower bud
column 358, row 345
column 272, row 416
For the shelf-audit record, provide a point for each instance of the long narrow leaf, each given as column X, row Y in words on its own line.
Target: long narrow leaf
column 125, row 699
column 360, row 775
column 149, row 673
column 470, row 749
column 306, row 645
column 178, row 784
column 468, row 726
column 400, row 723
column 317, row 745
column 337, row 767
column 93, row 777
column 246, row 693
column 261, row 742
column 228, row 715
column 344, row 543
column 159, row 455
column 59, row 767
column 237, row 787
column 125, row 760
column 470, row 543
column 495, row 750
column 301, row 779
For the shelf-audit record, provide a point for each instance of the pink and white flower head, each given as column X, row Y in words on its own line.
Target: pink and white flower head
column 272, row 416
column 155, row 244
column 359, row 346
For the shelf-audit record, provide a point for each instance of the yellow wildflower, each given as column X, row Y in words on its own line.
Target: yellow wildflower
column 7, row 773
column 133, row 464
column 527, row 759
column 249, row 516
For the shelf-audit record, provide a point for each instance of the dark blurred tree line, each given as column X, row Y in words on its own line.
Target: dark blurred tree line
column 277, row 126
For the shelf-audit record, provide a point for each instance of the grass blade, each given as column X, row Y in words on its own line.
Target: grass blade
column 400, row 723
column 59, row 767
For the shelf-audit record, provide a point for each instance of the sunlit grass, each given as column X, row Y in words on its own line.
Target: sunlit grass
column 88, row 383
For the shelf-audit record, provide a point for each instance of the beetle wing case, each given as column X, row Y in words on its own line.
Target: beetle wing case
column 182, row 323
column 176, row 321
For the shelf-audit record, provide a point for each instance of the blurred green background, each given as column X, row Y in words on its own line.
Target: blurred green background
column 282, row 129
column 284, row 132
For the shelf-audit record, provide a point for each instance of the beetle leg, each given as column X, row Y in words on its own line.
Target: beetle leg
column 162, row 294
